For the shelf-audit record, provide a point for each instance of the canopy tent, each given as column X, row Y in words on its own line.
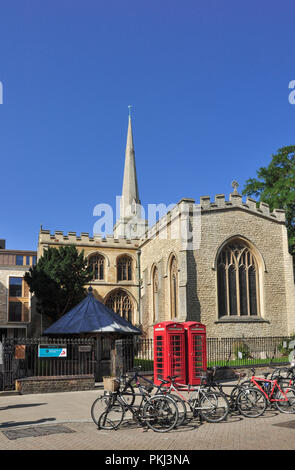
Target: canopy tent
column 91, row 316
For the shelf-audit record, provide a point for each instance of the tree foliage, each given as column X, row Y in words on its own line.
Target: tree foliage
column 58, row 280
column 275, row 185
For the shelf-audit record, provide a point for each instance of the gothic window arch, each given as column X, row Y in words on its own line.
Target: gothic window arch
column 97, row 264
column 124, row 268
column 173, row 274
column 120, row 302
column 155, row 287
column 237, row 281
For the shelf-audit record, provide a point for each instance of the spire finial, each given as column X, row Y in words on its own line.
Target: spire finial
column 130, row 106
column 235, row 185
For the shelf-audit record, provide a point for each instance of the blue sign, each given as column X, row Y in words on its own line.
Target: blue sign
column 52, row 351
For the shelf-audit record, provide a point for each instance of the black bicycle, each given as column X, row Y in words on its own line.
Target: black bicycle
column 158, row 412
column 124, row 384
column 217, row 379
column 127, row 384
column 287, row 373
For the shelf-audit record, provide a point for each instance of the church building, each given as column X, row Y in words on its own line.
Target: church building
column 224, row 263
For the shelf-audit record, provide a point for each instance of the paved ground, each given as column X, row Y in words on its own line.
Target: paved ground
column 64, row 422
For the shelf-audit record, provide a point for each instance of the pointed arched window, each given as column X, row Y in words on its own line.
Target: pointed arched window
column 119, row 301
column 96, row 262
column 174, row 287
column 155, row 283
column 124, row 268
column 237, row 281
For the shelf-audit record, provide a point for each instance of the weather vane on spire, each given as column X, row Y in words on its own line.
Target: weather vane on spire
column 130, row 106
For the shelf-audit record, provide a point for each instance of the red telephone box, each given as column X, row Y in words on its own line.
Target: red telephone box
column 195, row 350
column 169, row 351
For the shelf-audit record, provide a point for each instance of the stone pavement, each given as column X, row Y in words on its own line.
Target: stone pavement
column 62, row 421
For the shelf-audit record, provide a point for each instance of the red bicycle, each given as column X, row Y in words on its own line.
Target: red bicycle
column 278, row 392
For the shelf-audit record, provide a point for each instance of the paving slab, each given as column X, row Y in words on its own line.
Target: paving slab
column 62, row 421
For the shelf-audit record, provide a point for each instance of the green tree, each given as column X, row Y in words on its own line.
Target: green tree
column 275, row 185
column 58, row 280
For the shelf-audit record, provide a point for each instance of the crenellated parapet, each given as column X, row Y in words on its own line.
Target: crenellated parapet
column 236, row 201
column 84, row 239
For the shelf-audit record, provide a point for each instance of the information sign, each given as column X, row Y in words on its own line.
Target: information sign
column 50, row 350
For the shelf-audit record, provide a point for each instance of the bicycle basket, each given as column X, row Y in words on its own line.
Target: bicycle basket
column 110, row 384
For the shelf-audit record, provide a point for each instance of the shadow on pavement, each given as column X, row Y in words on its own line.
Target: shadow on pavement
column 9, row 407
column 12, row 424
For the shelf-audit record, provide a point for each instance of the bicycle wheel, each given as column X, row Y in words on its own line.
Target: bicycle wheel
column 160, row 413
column 112, row 417
column 99, row 406
column 182, row 411
column 233, row 397
column 279, row 372
column 128, row 394
column 214, row 407
column 287, row 405
column 251, row 402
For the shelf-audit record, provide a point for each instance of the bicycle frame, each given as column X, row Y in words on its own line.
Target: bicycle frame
column 135, row 378
column 270, row 394
column 195, row 390
column 134, row 409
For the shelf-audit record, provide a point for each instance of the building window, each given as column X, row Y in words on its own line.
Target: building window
column 174, row 288
column 18, row 301
column 124, row 268
column 96, row 262
column 19, row 260
column 15, row 311
column 119, row 301
column 155, row 282
column 34, row 260
column 15, row 286
column 237, row 281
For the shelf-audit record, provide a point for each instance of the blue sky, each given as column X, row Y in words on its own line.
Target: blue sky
column 208, row 81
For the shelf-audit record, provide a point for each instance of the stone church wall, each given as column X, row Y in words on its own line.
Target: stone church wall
column 110, row 248
column 267, row 234
column 220, row 222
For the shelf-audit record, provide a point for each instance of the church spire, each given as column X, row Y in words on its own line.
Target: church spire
column 130, row 224
column 130, row 194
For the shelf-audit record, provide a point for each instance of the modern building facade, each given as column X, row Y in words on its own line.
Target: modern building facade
column 15, row 297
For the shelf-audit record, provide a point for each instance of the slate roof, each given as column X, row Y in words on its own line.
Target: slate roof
column 91, row 316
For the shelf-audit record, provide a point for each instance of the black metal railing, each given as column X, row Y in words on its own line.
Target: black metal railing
column 236, row 352
column 246, row 351
column 21, row 358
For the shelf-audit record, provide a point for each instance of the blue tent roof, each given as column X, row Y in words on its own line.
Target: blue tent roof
column 91, row 316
